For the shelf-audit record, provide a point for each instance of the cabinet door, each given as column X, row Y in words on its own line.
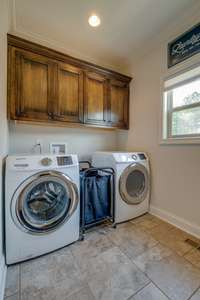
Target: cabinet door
column 33, row 86
column 95, row 102
column 119, row 104
column 69, row 102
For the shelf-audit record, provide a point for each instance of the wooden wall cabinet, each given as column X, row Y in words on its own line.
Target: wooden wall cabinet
column 119, row 104
column 69, row 94
column 47, row 86
column 96, row 104
column 31, row 85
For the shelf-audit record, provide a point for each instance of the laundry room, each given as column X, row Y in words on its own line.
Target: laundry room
column 99, row 149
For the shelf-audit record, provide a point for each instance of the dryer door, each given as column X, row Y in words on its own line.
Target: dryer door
column 134, row 184
column 44, row 201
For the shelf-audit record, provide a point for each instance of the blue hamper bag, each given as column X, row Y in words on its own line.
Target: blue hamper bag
column 95, row 190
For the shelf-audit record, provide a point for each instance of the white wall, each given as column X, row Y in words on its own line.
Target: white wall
column 4, row 26
column 81, row 141
column 175, row 168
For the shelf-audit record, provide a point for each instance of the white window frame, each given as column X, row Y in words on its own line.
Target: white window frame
column 168, row 84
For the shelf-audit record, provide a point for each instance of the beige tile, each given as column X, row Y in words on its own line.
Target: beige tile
column 196, row 296
column 182, row 234
column 194, row 257
column 160, row 229
column 58, row 291
column 176, row 277
column 149, row 292
column 142, row 218
column 152, row 256
column 53, row 276
column 132, row 240
column 85, row 252
column 174, row 239
column 147, row 222
column 83, row 294
column 12, row 280
column 114, row 277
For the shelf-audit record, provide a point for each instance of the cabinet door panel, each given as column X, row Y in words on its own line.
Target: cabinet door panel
column 70, row 93
column 34, row 79
column 95, row 99
column 119, row 97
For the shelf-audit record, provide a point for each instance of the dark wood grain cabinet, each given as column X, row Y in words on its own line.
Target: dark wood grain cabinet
column 119, row 104
column 31, row 87
column 95, row 99
column 69, row 94
column 47, row 86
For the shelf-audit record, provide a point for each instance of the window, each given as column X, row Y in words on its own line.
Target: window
column 181, row 107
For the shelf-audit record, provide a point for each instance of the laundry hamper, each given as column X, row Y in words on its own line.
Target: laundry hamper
column 96, row 195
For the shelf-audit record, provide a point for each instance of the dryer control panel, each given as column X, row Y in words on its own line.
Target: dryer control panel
column 129, row 157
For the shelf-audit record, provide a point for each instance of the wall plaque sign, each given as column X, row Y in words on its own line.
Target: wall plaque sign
column 184, row 46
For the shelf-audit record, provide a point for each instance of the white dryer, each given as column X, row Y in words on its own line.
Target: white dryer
column 132, row 184
column 41, row 205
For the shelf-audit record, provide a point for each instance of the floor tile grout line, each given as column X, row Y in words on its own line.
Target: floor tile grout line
column 191, row 250
column 139, row 290
column 168, row 230
column 117, row 246
column 20, row 281
column 158, row 242
column 182, row 256
column 150, row 280
column 173, row 252
column 194, row 293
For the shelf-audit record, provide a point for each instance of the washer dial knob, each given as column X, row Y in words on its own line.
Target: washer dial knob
column 46, row 161
column 134, row 157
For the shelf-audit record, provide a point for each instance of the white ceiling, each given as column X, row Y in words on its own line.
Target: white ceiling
column 126, row 25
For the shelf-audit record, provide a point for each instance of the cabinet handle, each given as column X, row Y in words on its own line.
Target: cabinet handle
column 50, row 114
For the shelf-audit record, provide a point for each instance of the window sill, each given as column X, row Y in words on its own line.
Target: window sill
column 180, row 141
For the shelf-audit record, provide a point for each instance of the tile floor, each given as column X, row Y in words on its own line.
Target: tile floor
column 144, row 259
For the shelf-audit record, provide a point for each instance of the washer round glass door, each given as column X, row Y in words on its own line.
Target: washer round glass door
column 44, row 201
column 134, row 184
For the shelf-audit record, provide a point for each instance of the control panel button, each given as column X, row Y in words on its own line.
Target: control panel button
column 46, row 161
column 142, row 156
column 134, row 157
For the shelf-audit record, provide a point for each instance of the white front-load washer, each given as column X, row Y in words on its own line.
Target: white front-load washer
column 42, row 209
column 132, row 183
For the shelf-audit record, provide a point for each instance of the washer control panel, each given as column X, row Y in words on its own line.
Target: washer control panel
column 41, row 162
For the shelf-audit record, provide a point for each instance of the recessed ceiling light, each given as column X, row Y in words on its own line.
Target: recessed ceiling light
column 94, row 21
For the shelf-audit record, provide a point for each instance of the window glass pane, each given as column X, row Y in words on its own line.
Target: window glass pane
column 187, row 94
column 186, row 121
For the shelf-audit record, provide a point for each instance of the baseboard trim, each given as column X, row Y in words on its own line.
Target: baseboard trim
column 3, row 270
column 176, row 221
